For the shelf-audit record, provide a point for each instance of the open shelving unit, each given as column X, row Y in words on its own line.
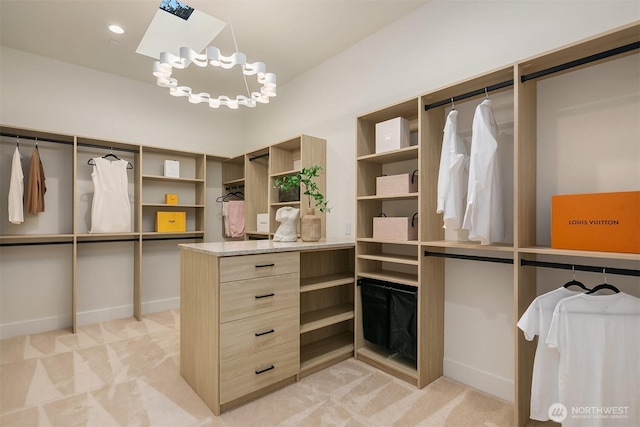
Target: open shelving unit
column 426, row 258
column 69, row 196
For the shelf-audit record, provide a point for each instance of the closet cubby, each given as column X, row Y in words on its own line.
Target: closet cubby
column 530, row 160
column 309, row 151
column 94, row 258
column 233, row 172
column 256, row 194
column 326, row 308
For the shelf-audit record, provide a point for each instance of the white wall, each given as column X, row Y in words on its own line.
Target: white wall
column 49, row 95
column 443, row 42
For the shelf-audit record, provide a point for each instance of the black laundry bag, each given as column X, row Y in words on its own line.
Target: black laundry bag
column 375, row 311
column 403, row 321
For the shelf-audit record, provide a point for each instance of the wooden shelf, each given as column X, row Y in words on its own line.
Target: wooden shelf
column 285, row 173
column 404, row 196
column 35, row 238
column 165, row 205
column 398, row 259
column 503, row 247
column 107, row 236
column 400, row 155
column 295, row 202
column 171, row 179
column 325, row 350
column 391, row 276
column 392, row 242
column 150, row 235
column 389, row 360
column 239, row 181
column 257, row 233
column 325, row 317
column 323, row 282
column 581, row 254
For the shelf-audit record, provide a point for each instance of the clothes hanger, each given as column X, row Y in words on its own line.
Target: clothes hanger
column 605, row 285
column 453, row 105
column 574, row 282
column 106, row 156
column 486, row 94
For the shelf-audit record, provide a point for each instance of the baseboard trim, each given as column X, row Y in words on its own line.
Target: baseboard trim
column 35, row 326
column 481, row 380
column 160, row 305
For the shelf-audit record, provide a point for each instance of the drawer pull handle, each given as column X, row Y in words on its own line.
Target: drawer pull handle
column 265, row 295
column 265, row 370
column 259, row 334
column 265, row 265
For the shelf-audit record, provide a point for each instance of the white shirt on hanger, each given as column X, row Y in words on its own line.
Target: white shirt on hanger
column 453, row 175
column 484, row 217
column 16, row 190
column 598, row 340
column 535, row 322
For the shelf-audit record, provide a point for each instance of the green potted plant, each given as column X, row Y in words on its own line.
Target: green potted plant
column 310, row 224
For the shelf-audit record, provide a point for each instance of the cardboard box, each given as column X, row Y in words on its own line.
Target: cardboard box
column 396, row 184
column 171, row 222
column 392, row 134
column 262, row 222
column 607, row 222
column 395, row 228
column 172, row 168
column 171, row 199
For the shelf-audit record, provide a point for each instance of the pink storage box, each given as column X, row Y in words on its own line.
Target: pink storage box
column 396, row 184
column 395, row 228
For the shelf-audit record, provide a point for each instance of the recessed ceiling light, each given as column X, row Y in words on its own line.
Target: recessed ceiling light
column 116, row 29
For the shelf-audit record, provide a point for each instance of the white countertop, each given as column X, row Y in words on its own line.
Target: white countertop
column 250, row 247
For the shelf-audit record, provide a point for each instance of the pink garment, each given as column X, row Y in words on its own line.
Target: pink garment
column 236, row 218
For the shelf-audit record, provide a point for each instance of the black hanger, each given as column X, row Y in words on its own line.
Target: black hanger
column 605, row 285
column 574, row 282
column 107, row 156
column 224, row 198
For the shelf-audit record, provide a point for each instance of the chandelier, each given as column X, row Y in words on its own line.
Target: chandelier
column 163, row 69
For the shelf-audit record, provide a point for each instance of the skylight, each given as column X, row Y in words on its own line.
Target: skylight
column 176, row 8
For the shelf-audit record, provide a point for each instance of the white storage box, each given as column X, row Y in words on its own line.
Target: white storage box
column 392, row 134
column 172, row 168
column 297, row 165
column 262, row 222
column 395, row 228
column 396, row 184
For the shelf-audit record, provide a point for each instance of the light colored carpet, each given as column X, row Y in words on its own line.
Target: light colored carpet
column 125, row 373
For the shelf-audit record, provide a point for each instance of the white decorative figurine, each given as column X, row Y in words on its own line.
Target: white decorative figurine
column 288, row 218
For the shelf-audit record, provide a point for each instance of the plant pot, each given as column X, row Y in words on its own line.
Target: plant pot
column 291, row 195
column 310, row 227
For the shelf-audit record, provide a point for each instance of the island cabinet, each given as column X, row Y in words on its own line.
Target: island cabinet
column 240, row 327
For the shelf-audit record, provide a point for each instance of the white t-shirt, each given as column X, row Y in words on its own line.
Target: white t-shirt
column 536, row 321
column 484, row 217
column 110, row 209
column 598, row 339
column 453, row 175
column 16, row 190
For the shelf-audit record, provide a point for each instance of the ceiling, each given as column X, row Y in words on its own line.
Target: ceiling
column 289, row 36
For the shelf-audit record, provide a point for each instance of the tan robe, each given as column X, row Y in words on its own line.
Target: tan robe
column 36, row 187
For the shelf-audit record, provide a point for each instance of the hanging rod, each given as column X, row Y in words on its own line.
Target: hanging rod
column 36, row 243
column 38, row 139
column 491, row 88
column 590, row 268
column 469, row 257
column 251, row 159
column 105, row 147
column 581, row 61
column 174, row 238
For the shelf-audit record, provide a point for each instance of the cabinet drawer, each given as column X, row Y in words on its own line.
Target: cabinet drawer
column 253, row 334
column 246, row 298
column 261, row 265
column 248, row 374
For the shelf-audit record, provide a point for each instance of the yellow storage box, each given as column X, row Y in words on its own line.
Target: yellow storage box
column 171, row 199
column 171, row 222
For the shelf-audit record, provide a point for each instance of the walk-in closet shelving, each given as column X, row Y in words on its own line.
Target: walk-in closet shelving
column 62, row 232
column 394, row 261
column 326, row 308
column 527, row 204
